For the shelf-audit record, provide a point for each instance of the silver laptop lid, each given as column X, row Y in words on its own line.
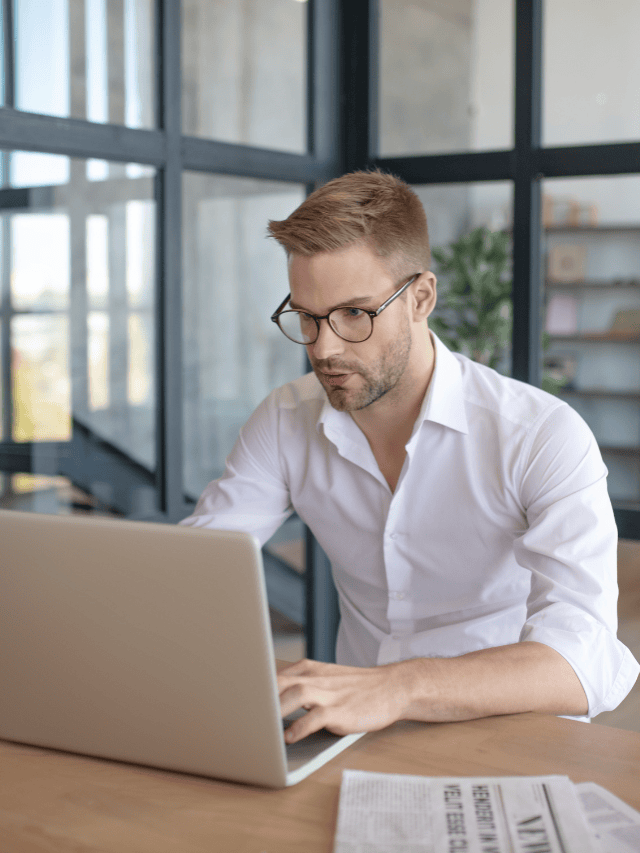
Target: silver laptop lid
column 140, row 642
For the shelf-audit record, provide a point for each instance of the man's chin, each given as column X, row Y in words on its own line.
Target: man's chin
column 343, row 406
column 345, row 401
column 340, row 398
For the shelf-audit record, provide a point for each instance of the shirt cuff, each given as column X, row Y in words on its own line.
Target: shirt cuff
column 606, row 668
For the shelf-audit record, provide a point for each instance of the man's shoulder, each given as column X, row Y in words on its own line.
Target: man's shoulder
column 291, row 409
column 303, row 392
column 510, row 400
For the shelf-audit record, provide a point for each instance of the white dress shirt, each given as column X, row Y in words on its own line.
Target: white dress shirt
column 500, row 528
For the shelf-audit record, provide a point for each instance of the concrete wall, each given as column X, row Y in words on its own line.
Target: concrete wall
column 244, row 67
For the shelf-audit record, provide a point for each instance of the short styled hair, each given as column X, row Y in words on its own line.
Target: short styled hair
column 372, row 207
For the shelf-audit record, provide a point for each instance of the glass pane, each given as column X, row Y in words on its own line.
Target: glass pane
column 40, row 280
column 48, row 494
column 29, row 169
column 234, row 278
column 42, row 56
column 140, row 243
column 2, row 74
column 468, row 229
column 446, row 76
column 1, row 398
column 102, row 170
column 244, row 72
column 97, row 260
column 98, row 353
column 141, row 343
column 120, row 282
column 79, row 296
column 591, row 66
column 591, row 346
column 93, row 60
column 5, row 279
column 40, row 378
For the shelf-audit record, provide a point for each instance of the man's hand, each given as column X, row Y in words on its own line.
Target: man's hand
column 342, row 699
column 526, row 676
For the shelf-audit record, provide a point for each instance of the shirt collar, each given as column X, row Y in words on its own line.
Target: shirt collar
column 444, row 400
column 443, row 403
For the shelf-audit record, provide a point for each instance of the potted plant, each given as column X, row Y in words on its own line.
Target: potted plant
column 474, row 314
column 474, row 310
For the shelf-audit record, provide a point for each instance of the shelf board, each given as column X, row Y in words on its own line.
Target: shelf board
column 592, row 229
column 597, row 338
column 610, row 284
column 605, row 393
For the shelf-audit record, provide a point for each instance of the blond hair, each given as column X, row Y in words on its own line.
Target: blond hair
column 376, row 208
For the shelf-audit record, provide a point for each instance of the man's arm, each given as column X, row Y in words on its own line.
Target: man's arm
column 251, row 495
column 525, row 676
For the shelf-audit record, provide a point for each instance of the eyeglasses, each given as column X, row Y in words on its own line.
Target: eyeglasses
column 348, row 322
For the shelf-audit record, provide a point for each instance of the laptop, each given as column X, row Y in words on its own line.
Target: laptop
column 145, row 643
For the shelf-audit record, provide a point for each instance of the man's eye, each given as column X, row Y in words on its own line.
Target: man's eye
column 351, row 313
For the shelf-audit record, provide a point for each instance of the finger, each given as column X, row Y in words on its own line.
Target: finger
column 300, row 667
column 301, row 696
column 312, row 722
column 290, row 682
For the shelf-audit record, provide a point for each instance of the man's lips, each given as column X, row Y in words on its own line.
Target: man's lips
column 335, row 378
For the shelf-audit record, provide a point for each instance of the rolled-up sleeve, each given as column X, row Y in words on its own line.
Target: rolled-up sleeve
column 570, row 548
column 251, row 495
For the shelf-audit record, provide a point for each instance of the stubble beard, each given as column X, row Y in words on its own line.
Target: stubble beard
column 378, row 380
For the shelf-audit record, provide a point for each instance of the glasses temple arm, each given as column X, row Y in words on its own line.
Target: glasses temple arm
column 280, row 307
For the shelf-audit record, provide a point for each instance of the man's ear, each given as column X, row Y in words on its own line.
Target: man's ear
column 424, row 293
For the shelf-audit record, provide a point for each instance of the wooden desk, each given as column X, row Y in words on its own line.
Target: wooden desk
column 52, row 801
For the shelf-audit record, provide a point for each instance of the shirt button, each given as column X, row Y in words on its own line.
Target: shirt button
column 393, row 536
column 398, row 596
column 395, row 636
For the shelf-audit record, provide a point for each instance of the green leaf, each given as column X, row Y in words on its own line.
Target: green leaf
column 475, row 294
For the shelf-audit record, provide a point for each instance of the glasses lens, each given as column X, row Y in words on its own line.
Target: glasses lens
column 298, row 326
column 352, row 324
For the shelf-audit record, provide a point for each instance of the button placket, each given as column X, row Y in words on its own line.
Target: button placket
column 398, row 574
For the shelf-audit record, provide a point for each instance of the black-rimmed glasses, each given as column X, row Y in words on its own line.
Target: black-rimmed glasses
column 347, row 321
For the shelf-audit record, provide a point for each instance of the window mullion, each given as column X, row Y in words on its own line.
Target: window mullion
column 527, row 192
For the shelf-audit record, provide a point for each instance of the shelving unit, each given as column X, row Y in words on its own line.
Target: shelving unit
column 605, row 387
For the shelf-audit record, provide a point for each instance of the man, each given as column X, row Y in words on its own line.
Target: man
column 465, row 514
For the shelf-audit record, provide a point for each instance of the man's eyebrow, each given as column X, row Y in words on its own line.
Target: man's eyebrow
column 356, row 301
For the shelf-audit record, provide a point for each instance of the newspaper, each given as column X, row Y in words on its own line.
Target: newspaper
column 388, row 813
column 615, row 824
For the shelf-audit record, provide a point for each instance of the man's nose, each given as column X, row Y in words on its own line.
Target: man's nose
column 328, row 343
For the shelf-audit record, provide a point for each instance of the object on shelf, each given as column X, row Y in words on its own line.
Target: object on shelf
column 562, row 370
column 568, row 211
column 567, row 263
column 583, row 214
column 547, row 211
column 626, row 324
column 562, row 315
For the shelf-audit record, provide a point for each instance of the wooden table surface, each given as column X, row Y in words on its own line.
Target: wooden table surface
column 52, row 802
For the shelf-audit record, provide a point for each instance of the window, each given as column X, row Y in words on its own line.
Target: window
column 446, row 76
column 78, row 284
column 234, row 278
